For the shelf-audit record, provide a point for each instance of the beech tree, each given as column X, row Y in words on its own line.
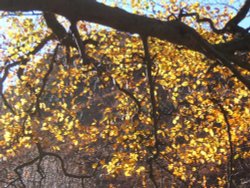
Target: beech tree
column 95, row 96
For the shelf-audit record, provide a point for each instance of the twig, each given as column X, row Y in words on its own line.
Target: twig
column 2, row 80
column 231, row 26
column 43, row 154
column 231, row 154
column 24, row 61
column 126, row 92
column 229, row 135
column 45, row 79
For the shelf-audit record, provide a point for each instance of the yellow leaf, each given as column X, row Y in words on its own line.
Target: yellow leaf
column 140, row 169
column 75, row 142
column 210, row 118
column 236, row 156
column 94, row 165
column 172, row 1
column 185, row 83
column 127, row 173
column 55, row 148
column 211, row 132
column 203, row 153
column 7, row 136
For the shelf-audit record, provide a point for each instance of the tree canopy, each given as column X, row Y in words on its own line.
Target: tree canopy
column 137, row 93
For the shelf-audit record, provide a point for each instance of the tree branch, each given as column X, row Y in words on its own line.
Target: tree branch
column 232, row 25
column 41, row 155
column 23, row 61
column 151, row 83
column 231, row 153
column 232, row 46
column 126, row 92
column 45, row 80
column 174, row 31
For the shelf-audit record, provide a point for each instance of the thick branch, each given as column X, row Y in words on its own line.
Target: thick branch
column 55, row 26
column 242, row 45
column 175, row 31
column 232, row 24
column 172, row 31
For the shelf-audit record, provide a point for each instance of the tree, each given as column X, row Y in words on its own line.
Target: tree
column 158, row 99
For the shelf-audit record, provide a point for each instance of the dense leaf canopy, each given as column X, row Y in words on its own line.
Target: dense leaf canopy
column 93, row 95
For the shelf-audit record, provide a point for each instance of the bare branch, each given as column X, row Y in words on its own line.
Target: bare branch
column 201, row 20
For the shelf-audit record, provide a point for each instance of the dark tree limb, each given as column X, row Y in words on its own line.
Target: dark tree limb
column 151, row 83
column 151, row 172
column 20, row 167
column 242, row 45
column 43, row 154
column 174, row 31
column 202, row 20
column 5, row 75
column 232, row 25
column 60, row 32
